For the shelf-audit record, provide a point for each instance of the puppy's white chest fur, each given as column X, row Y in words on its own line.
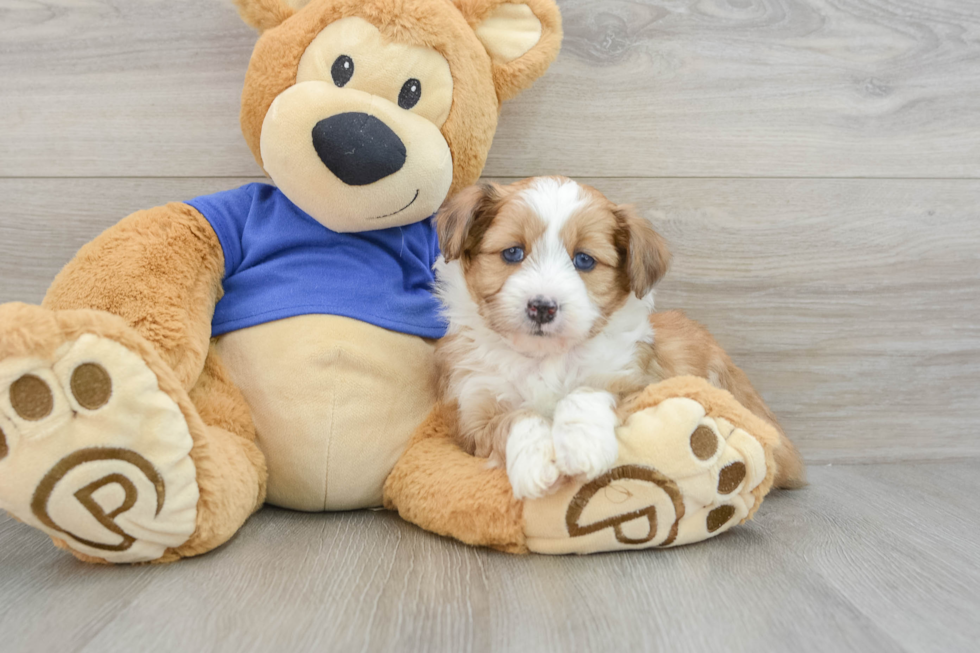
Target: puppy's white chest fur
column 486, row 365
column 540, row 383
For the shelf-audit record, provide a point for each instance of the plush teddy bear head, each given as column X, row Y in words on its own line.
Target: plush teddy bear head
column 368, row 113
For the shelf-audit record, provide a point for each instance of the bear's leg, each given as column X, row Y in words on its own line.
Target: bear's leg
column 102, row 448
column 160, row 270
column 232, row 474
column 693, row 462
column 438, row 486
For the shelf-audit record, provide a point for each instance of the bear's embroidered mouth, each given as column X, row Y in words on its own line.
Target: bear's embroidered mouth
column 388, row 215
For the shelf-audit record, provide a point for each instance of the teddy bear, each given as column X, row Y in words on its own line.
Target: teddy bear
column 274, row 343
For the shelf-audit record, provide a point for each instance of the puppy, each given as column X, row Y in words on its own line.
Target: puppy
column 548, row 290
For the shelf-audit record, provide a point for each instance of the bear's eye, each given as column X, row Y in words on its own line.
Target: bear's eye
column 342, row 70
column 410, row 94
column 513, row 254
column 583, row 261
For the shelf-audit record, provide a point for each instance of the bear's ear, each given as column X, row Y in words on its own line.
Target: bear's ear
column 522, row 37
column 266, row 14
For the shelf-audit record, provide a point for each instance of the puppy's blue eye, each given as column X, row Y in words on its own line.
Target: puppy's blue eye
column 513, row 254
column 583, row 261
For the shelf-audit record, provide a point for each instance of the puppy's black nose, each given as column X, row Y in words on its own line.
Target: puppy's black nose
column 541, row 310
column 358, row 148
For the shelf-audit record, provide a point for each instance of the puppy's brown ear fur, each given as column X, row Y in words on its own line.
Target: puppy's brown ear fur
column 464, row 217
column 647, row 255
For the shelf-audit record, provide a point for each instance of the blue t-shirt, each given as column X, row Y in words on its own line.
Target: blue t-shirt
column 280, row 262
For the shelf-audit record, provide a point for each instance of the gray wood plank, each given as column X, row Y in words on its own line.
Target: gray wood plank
column 43, row 222
column 122, row 88
column 658, row 88
column 355, row 581
column 854, row 305
column 744, row 596
column 834, row 567
column 911, row 547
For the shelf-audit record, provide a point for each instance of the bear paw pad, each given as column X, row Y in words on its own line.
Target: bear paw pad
column 94, row 453
column 682, row 476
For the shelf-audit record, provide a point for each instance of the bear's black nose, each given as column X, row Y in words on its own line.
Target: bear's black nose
column 358, row 148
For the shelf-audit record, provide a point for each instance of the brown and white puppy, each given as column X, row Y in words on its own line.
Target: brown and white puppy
column 548, row 290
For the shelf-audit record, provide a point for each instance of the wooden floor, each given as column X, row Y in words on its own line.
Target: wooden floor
column 869, row 558
column 815, row 165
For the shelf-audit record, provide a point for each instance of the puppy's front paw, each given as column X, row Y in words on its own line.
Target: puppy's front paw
column 584, row 433
column 531, row 458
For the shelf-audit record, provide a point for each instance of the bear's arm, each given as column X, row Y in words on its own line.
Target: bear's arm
column 161, row 270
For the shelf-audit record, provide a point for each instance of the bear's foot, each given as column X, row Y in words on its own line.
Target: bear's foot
column 684, row 474
column 92, row 451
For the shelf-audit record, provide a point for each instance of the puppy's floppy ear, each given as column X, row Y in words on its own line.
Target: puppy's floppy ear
column 266, row 14
column 464, row 217
column 647, row 256
column 522, row 37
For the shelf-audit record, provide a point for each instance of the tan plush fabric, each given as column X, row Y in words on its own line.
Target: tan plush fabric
column 288, row 151
column 88, row 430
column 334, row 401
column 719, row 404
column 232, row 471
column 472, row 120
column 479, row 85
column 442, row 489
column 227, row 480
column 382, row 66
column 682, row 476
column 511, row 76
column 160, row 270
column 265, row 14
column 509, row 32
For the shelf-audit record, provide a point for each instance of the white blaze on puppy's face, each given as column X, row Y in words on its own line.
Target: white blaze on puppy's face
column 546, row 280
